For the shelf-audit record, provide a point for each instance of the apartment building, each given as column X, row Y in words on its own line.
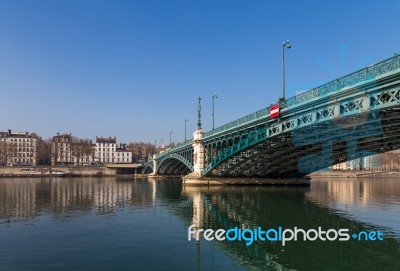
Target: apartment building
column 123, row 154
column 19, row 148
column 61, row 151
column 105, row 149
column 69, row 150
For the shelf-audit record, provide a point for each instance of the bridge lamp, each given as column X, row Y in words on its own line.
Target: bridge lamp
column 288, row 46
column 161, row 142
column 170, row 133
column 213, row 98
column 186, row 120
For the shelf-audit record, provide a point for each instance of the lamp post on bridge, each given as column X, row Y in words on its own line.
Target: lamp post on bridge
column 170, row 133
column 213, row 98
column 186, row 120
column 288, row 46
column 161, row 142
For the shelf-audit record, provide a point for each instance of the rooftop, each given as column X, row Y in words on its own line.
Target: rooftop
column 106, row 139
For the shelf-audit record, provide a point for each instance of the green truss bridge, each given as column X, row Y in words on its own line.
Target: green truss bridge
column 350, row 117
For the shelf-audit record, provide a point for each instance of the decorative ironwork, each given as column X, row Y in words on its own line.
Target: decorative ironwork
column 261, row 114
column 249, row 141
column 368, row 73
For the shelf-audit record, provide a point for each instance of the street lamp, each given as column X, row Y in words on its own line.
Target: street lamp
column 161, row 142
column 186, row 120
column 170, row 133
column 213, row 98
column 284, row 45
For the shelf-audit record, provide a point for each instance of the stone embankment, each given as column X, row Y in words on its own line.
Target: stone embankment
column 354, row 174
column 82, row 171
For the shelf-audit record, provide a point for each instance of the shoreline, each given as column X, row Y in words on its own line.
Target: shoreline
column 69, row 171
column 354, row 174
column 85, row 171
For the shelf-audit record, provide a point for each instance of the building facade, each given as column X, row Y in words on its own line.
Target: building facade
column 123, row 154
column 108, row 151
column 105, row 149
column 68, row 150
column 386, row 161
column 61, row 151
column 19, row 148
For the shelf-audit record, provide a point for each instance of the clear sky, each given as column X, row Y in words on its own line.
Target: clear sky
column 134, row 69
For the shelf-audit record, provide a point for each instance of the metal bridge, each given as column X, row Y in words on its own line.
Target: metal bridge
column 350, row 117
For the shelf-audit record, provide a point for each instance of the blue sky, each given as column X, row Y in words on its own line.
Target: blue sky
column 134, row 69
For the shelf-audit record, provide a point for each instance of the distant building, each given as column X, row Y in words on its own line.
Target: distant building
column 61, row 151
column 123, row 154
column 389, row 161
column 19, row 148
column 68, row 150
column 108, row 151
column 105, row 149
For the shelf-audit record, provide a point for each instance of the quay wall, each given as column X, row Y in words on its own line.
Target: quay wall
column 69, row 170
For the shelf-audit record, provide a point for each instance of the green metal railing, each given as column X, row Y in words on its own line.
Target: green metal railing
column 256, row 115
column 365, row 74
column 178, row 147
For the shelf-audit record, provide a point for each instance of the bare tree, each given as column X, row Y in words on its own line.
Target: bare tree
column 44, row 152
column 55, row 151
column 7, row 151
column 81, row 148
column 141, row 151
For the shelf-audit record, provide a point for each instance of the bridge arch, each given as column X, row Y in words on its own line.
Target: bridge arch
column 174, row 164
column 148, row 167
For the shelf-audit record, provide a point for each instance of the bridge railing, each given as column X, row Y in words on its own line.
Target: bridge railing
column 368, row 73
column 175, row 148
column 256, row 115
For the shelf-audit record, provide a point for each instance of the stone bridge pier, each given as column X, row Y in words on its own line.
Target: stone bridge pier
column 198, row 153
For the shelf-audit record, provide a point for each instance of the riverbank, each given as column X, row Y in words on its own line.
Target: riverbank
column 354, row 174
column 72, row 171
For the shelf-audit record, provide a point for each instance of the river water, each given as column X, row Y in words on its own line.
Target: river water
column 138, row 224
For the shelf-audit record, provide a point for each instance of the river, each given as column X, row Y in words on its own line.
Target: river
column 139, row 224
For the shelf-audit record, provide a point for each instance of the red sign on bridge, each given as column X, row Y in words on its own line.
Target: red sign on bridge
column 274, row 111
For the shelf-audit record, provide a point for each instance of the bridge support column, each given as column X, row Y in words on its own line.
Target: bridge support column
column 154, row 165
column 198, row 152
